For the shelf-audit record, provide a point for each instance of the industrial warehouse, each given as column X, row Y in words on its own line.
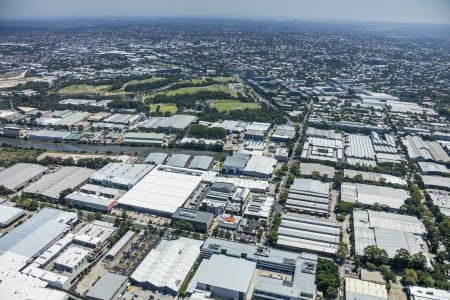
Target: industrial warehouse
column 309, row 234
column 387, row 231
column 371, row 194
column 162, row 190
column 309, row 196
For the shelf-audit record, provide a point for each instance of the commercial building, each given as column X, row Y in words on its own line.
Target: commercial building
column 162, row 190
column 118, row 246
column 225, row 197
column 231, row 126
column 120, row 175
column 110, row 286
column 200, row 220
column 259, row 207
column 323, row 145
column 387, row 231
column 201, row 162
column 283, row 133
column 257, row 130
column 364, row 290
column 90, row 201
column 98, row 190
column 309, row 196
column 51, row 185
column 144, row 138
column 178, row 160
column 236, row 163
column 94, row 233
column 371, row 194
column 424, row 293
column 9, row 214
column 300, row 268
column 260, row 166
column 21, row 175
column 224, row 277
column 72, row 259
column 310, row 234
column 156, row 158
column 166, row 266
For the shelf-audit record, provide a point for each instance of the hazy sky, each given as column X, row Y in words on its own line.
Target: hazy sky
column 416, row 11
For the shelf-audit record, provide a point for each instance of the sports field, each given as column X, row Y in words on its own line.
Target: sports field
column 199, row 89
column 164, row 107
column 229, row 105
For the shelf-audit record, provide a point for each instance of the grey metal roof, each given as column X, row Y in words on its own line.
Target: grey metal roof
column 311, row 185
column 226, row 272
column 120, row 243
column 19, row 174
column 51, row 185
column 237, row 160
column 201, row 162
column 193, row 215
column 37, row 232
column 107, row 286
column 178, row 160
column 121, row 174
column 158, row 158
column 9, row 214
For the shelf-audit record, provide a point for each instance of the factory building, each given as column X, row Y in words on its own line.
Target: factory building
column 156, row 158
column 420, row 150
column 310, row 234
column 110, row 286
column 162, row 190
column 300, row 268
column 235, row 164
column 260, row 166
column 21, row 175
column 309, row 196
column 166, row 266
column 178, row 160
column 364, row 290
column 201, row 162
column 370, row 194
column 120, row 175
column 387, row 231
column 90, row 201
column 51, row 185
column 144, row 138
column 9, row 214
column 323, row 145
column 72, row 259
column 118, row 246
column 224, row 277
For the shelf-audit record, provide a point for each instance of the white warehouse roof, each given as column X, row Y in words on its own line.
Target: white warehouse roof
column 162, row 190
column 167, row 265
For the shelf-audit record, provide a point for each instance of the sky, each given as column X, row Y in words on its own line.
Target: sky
column 401, row 11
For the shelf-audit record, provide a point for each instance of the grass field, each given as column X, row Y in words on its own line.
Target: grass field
column 136, row 82
column 84, row 89
column 198, row 89
column 164, row 107
column 229, row 105
column 10, row 156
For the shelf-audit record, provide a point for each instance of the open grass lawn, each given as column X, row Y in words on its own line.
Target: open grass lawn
column 136, row 82
column 84, row 89
column 229, row 105
column 164, row 107
column 198, row 89
column 10, row 156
